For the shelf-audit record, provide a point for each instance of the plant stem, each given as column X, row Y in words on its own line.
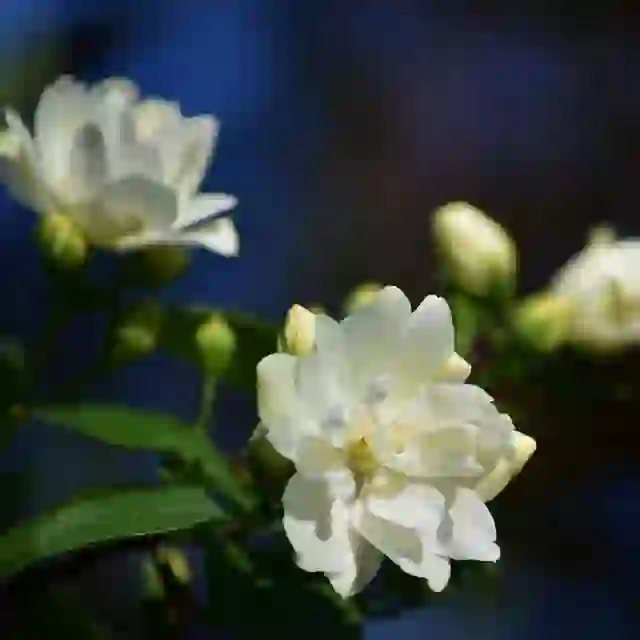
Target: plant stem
column 207, row 398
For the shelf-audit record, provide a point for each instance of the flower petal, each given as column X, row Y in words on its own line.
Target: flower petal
column 455, row 369
column 64, row 107
column 472, row 531
column 373, row 333
column 317, row 526
column 204, row 206
column 428, row 342
column 200, row 134
column 278, row 406
column 413, row 548
column 360, row 571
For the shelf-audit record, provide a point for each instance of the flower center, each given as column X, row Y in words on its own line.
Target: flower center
column 361, row 459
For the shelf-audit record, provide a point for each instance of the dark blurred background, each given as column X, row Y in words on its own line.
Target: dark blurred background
column 343, row 126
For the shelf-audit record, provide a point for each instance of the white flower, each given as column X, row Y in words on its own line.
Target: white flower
column 394, row 452
column 602, row 283
column 126, row 172
column 479, row 252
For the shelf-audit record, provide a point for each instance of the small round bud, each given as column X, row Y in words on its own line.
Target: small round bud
column 479, row 253
column 137, row 334
column 156, row 266
column 61, row 241
column 299, row 333
column 361, row 296
column 217, row 343
column 543, row 320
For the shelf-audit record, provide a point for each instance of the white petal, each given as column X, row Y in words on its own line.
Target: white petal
column 317, row 526
column 20, row 167
column 148, row 205
column 219, row 236
column 473, row 531
column 64, row 107
column 508, row 467
column 200, row 134
column 278, row 406
column 373, row 334
column 414, row 550
column 360, row 571
column 154, row 115
column 87, row 162
column 429, row 341
column 204, row 206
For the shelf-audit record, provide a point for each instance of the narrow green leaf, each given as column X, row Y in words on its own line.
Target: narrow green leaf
column 151, row 431
column 113, row 515
column 254, row 341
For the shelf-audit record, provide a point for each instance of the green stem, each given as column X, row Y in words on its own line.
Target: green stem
column 207, row 398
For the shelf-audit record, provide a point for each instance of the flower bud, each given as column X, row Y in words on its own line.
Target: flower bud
column 299, row 333
column 217, row 343
column 138, row 333
column 523, row 448
column 479, row 253
column 156, row 266
column 61, row 241
column 543, row 320
column 361, row 296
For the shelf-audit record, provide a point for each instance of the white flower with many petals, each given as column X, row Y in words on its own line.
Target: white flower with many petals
column 395, row 454
column 127, row 172
column 602, row 284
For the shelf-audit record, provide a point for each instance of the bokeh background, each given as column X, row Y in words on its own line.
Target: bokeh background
column 343, row 126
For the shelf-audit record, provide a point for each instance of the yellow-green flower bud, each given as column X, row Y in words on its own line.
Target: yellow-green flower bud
column 217, row 343
column 137, row 334
column 171, row 559
column 61, row 241
column 361, row 296
column 479, row 254
column 543, row 320
column 156, row 266
column 299, row 335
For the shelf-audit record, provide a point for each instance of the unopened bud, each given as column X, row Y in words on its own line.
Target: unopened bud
column 361, row 296
column 156, row 266
column 217, row 343
column 543, row 320
column 299, row 335
column 480, row 255
column 138, row 333
column 61, row 241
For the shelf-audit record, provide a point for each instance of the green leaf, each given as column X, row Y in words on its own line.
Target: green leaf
column 151, row 431
column 254, row 341
column 108, row 516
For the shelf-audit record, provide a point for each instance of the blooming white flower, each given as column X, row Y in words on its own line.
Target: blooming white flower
column 127, row 172
column 479, row 252
column 394, row 452
column 602, row 283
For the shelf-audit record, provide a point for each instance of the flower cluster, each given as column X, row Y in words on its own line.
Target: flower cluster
column 395, row 453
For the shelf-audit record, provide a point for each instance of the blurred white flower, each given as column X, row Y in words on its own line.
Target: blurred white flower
column 126, row 172
column 390, row 445
column 479, row 253
column 602, row 283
